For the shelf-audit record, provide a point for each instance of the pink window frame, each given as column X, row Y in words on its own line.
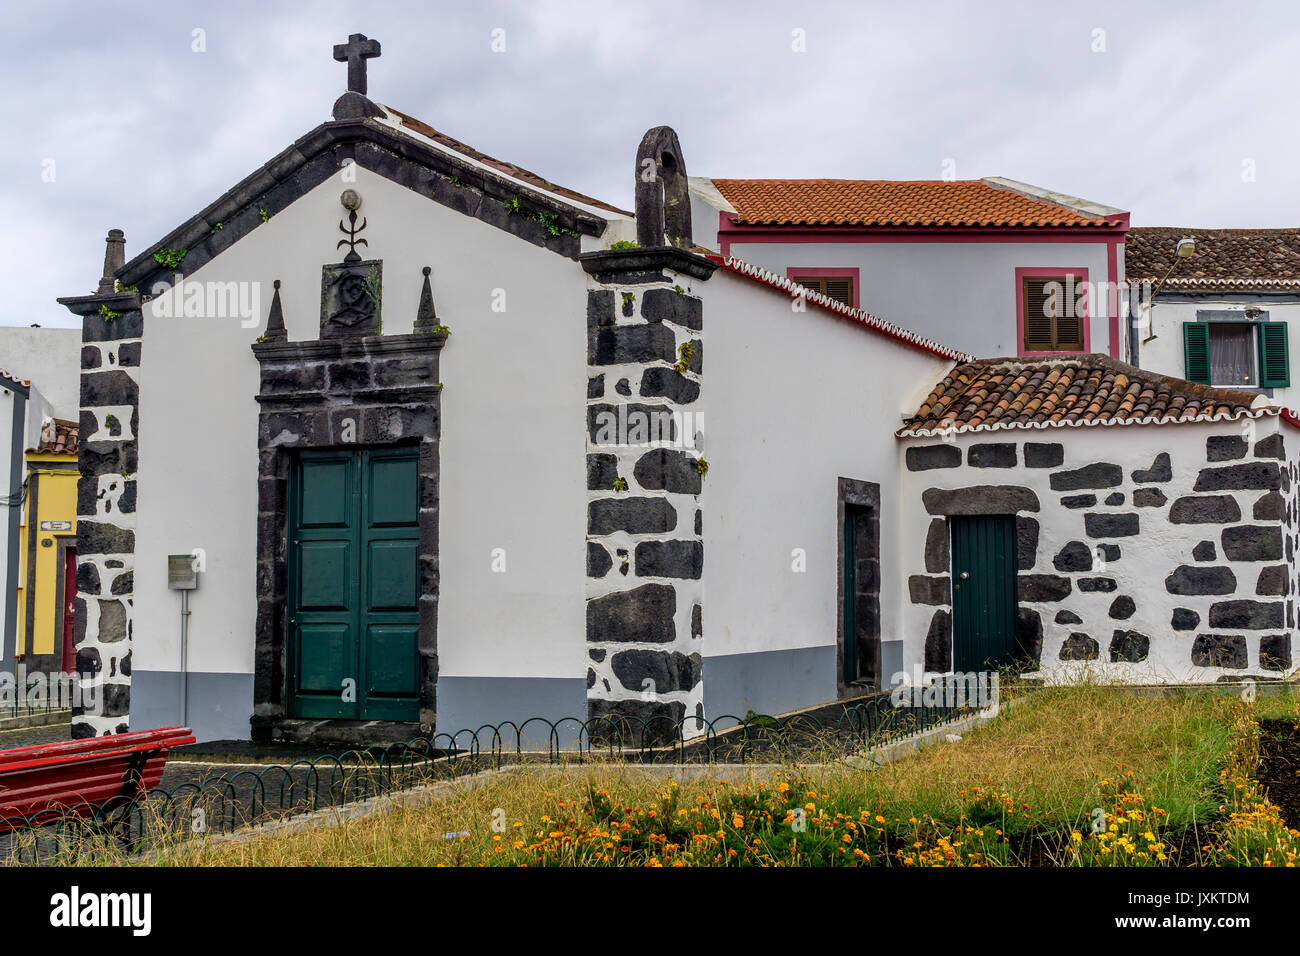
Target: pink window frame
column 1080, row 275
column 845, row 272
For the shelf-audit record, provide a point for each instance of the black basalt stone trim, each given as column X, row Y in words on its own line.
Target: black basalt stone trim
column 1044, row 587
column 1029, row 636
column 926, row 457
column 1104, row 585
column 1079, row 501
column 665, row 671
column 1110, row 525
column 938, row 643
column 641, row 615
column 1026, row 542
column 398, row 157
column 600, row 308
column 1184, row 619
column 636, row 266
column 1271, row 446
column 929, row 590
column 1068, row 617
column 1074, row 556
column 1044, row 455
column 667, row 305
column 1079, row 647
column 1275, row 652
column 1205, row 509
column 1197, row 580
column 630, row 345
column 1100, row 475
column 670, row 559
column 598, row 560
column 1219, row 650
column 1252, row 543
column 1205, row 551
column 1149, row 498
column 1225, row 448
column 936, row 547
column 1129, row 647
column 1161, row 470
column 659, row 381
column 1273, row 580
column 1247, row 615
column 633, row 515
column 979, row 500
column 1269, row 507
column 1122, row 608
column 602, row 470
column 1262, row 475
column 667, row 469
column 992, row 455
column 1115, row 499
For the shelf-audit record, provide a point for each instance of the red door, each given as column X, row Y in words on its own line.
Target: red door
column 69, row 605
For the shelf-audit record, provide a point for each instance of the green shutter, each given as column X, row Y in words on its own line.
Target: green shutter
column 1196, row 351
column 1274, row 364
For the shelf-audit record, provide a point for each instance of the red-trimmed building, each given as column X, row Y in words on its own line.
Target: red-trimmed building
column 973, row 263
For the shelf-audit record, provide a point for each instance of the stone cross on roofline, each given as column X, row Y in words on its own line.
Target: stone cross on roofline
column 356, row 51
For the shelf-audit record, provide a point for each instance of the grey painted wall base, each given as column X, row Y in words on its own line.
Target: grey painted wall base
column 891, row 662
column 467, row 703
column 769, row 682
column 219, row 705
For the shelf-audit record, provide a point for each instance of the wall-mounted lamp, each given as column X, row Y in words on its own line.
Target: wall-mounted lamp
column 1185, row 249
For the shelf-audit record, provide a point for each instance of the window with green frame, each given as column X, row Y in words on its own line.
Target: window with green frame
column 1237, row 354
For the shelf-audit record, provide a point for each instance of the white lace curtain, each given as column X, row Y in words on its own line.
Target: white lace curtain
column 1232, row 354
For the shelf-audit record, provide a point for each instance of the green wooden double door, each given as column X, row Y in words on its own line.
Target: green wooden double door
column 354, row 585
column 985, row 595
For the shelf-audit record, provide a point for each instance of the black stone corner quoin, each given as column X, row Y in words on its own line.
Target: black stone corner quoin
column 340, row 393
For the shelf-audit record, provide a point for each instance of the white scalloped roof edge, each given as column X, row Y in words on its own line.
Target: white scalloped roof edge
column 1286, row 414
column 863, row 316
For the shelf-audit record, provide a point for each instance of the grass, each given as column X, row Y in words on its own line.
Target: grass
column 1046, row 764
column 1172, row 778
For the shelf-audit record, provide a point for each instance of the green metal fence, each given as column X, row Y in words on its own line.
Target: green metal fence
column 220, row 802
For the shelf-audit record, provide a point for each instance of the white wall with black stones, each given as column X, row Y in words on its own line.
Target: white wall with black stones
column 1169, row 546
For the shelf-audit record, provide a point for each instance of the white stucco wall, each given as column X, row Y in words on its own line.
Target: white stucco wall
column 962, row 294
column 50, row 359
column 793, row 402
column 1145, row 561
column 1165, row 354
column 511, row 449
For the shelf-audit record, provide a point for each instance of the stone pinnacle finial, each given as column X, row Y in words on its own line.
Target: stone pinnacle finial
column 275, row 330
column 114, row 259
column 426, row 318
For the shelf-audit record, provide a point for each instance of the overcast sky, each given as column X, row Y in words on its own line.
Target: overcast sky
column 1182, row 113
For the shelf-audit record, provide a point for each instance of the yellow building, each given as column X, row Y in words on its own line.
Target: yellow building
column 47, row 574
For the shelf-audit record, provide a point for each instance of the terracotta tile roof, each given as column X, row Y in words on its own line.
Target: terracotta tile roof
column 1084, row 389
column 59, row 437
column 783, row 284
column 875, row 202
column 1224, row 258
column 500, row 165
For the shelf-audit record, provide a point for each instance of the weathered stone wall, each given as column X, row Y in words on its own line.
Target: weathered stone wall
column 645, row 550
column 1146, row 553
column 106, row 510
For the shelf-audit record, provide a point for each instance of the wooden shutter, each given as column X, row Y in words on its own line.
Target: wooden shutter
column 1050, row 322
column 1274, row 364
column 839, row 288
column 1196, row 351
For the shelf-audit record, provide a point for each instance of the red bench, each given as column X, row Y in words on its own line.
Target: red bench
column 50, row 782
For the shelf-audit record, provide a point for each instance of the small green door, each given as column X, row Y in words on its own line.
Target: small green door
column 984, row 594
column 354, row 585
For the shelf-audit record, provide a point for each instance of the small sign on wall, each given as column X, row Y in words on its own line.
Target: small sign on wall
column 56, row 525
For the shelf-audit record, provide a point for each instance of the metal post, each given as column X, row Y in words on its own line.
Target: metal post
column 185, row 676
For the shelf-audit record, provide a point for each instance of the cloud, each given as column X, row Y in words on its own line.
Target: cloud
column 144, row 131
